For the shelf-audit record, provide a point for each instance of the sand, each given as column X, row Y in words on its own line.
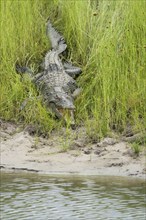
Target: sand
column 63, row 154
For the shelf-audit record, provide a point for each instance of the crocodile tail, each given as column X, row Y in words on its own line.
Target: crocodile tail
column 57, row 40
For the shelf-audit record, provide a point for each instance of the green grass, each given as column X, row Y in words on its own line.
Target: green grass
column 136, row 148
column 106, row 39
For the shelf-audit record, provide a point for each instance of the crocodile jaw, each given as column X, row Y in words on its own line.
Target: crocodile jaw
column 67, row 115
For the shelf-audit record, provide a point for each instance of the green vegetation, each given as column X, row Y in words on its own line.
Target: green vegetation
column 139, row 144
column 136, row 148
column 105, row 38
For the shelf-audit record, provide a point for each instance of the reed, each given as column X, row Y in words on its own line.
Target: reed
column 105, row 38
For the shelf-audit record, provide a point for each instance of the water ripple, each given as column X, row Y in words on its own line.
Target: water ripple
column 29, row 197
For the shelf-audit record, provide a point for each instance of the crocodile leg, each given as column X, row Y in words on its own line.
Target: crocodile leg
column 76, row 93
column 71, row 70
column 23, row 69
column 27, row 70
column 24, row 103
column 36, row 77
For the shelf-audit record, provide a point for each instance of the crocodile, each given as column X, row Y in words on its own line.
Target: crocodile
column 56, row 82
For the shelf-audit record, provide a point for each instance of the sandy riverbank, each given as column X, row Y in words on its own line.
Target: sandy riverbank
column 21, row 151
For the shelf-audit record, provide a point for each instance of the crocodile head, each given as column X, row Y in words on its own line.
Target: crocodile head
column 62, row 105
column 64, row 109
column 64, row 102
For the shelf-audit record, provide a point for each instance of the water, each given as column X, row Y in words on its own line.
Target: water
column 40, row 197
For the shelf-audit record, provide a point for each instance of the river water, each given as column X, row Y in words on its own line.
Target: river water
column 45, row 197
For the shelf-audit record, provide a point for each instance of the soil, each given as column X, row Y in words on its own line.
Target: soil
column 68, row 153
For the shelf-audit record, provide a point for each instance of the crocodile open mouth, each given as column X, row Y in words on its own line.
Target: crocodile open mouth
column 68, row 115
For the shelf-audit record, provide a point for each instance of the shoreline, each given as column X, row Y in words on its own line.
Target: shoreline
column 110, row 157
column 72, row 173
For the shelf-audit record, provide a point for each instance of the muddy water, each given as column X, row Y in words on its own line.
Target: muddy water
column 40, row 197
